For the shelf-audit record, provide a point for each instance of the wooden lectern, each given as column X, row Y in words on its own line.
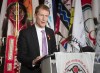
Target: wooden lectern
column 48, row 65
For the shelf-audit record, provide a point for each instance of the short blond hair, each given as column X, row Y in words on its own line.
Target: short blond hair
column 42, row 6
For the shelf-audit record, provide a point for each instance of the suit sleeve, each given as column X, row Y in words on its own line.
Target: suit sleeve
column 53, row 42
column 22, row 54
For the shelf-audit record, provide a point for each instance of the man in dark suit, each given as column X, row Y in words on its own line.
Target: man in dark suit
column 30, row 42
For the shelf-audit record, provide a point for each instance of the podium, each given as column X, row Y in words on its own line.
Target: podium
column 48, row 65
column 69, row 63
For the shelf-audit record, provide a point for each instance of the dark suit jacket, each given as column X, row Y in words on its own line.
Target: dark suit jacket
column 28, row 48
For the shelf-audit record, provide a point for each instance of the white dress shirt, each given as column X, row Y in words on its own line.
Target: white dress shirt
column 39, row 34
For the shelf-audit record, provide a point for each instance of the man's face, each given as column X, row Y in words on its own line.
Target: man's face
column 42, row 17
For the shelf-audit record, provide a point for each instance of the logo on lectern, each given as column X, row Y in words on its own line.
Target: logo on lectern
column 75, row 66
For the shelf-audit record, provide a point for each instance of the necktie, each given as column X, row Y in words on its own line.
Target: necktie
column 44, row 45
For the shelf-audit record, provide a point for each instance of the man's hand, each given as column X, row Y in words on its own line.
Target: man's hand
column 36, row 60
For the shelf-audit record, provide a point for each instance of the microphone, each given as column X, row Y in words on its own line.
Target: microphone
column 81, row 50
column 48, row 24
column 87, row 49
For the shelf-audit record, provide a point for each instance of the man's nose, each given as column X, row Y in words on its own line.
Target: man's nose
column 43, row 18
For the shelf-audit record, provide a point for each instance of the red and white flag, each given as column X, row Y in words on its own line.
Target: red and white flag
column 10, row 54
column 89, row 23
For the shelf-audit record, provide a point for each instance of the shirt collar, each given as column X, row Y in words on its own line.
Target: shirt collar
column 39, row 28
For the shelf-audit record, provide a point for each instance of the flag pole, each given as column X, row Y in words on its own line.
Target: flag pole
column 16, row 28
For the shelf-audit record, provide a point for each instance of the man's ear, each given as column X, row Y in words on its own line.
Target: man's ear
column 35, row 15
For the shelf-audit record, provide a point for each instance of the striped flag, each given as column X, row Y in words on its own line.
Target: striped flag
column 89, row 23
column 64, row 14
column 64, row 42
column 78, row 33
column 62, row 22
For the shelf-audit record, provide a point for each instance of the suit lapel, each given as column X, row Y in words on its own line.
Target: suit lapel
column 34, row 35
column 35, row 39
column 48, row 39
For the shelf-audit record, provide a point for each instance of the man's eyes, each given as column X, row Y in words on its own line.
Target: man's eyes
column 43, row 15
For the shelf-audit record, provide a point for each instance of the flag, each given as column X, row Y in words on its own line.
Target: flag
column 97, row 47
column 10, row 30
column 2, row 14
column 61, row 33
column 11, row 17
column 28, row 5
column 0, row 5
column 41, row 2
column 17, row 14
column 64, row 42
column 89, row 23
column 78, row 32
column 14, row 24
column 96, row 14
column 96, row 9
column 35, row 3
column 54, row 5
column 62, row 22
column 71, row 17
column 10, row 54
column 50, row 19
column 64, row 14
column 11, row 1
